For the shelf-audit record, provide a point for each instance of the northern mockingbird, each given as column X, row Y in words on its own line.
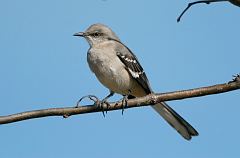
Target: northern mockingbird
column 118, row 69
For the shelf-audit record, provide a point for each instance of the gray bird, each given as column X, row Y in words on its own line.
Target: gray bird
column 118, row 69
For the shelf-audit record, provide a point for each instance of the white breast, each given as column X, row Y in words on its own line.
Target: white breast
column 109, row 70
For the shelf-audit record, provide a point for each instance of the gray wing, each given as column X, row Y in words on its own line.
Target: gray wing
column 135, row 69
column 133, row 66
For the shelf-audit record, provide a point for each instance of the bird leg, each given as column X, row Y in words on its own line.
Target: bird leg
column 104, row 101
column 125, row 101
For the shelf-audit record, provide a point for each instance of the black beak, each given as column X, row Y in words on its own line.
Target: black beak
column 82, row 34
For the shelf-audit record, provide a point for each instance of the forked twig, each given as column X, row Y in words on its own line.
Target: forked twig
column 197, row 2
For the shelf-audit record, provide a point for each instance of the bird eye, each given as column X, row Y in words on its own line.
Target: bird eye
column 96, row 34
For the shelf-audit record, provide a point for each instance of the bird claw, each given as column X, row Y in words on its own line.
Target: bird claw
column 105, row 102
column 95, row 99
column 102, row 106
column 124, row 102
column 91, row 97
column 97, row 102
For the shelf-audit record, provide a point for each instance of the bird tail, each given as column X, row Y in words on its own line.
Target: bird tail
column 175, row 120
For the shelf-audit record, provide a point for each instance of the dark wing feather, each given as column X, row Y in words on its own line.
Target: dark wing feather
column 133, row 66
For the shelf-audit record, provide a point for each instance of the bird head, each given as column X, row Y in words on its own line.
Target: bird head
column 97, row 33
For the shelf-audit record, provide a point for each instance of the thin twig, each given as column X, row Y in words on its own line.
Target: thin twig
column 193, row 3
column 137, row 102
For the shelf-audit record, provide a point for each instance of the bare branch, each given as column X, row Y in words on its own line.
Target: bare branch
column 197, row 2
column 137, row 102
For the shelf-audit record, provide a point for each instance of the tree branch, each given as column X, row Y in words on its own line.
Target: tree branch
column 137, row 102
column 206, row 2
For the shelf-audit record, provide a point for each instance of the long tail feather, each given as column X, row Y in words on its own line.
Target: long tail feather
column 175, row 120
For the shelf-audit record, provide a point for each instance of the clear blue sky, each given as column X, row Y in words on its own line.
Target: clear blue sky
column 42, row 66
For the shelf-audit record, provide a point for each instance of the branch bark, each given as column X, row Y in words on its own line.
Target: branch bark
column 137, row 102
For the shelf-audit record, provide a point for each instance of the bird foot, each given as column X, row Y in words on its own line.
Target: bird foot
column 91, row 97
column 124, row 101
column 97, row 102
column 103, row 107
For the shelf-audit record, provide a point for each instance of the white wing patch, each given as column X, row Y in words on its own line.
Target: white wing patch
column 131, row 62
column 133, row 66
column 135, row 74
column 128, row 59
